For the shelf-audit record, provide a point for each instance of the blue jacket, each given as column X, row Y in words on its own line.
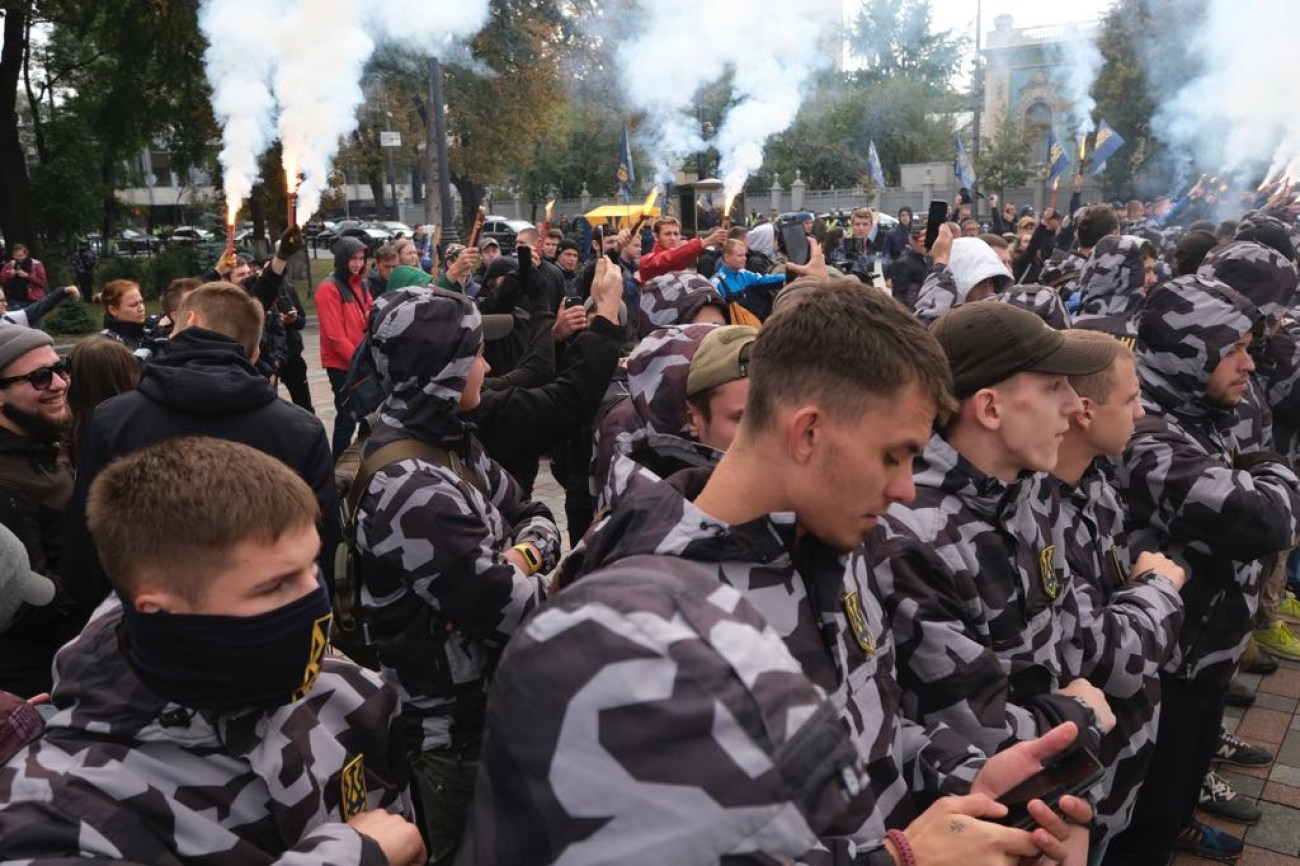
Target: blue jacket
column 731, row 283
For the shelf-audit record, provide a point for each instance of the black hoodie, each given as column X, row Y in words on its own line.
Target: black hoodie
column 203, row 386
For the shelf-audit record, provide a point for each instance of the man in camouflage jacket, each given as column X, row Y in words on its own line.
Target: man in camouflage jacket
column 1114, row 283
column 544, row 796
column 444, row 584
column 1217, row 512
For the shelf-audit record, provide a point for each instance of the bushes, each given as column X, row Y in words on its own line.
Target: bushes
column 153, row 273
column 72, row 317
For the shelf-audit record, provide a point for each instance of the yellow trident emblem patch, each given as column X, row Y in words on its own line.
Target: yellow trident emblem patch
column 1046, row 570
column 319, row 641
column 352, row 788
column 858, row 623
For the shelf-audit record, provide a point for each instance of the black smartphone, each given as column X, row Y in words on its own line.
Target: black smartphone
column 572, row 301
column 938, row 216
column 795, row 243
column 1071, row 774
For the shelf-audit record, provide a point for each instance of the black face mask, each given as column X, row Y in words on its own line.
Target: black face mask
column 221, row 663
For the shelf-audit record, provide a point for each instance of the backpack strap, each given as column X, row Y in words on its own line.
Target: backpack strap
column 405, row 449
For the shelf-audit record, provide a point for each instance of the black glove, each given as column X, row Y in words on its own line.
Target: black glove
column 1253, row 458
column 291, row 243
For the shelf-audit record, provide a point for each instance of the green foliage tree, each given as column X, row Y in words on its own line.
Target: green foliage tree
column 1004, row 160
column 894, row 39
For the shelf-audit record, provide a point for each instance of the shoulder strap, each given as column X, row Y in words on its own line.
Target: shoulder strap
column 405, row 449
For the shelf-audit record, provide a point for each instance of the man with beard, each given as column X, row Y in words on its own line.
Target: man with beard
column 35, row 485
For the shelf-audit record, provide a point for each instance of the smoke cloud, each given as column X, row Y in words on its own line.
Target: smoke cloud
column 1079, row 61
column 304, row 83
column 1238, row 115
column 774, row 47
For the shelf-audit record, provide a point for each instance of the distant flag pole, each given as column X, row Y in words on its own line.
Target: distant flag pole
column 626, row 172
column 1104, row 145
column 962, row 166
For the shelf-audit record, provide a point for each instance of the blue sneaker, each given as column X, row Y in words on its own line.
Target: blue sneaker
column 1205, row 841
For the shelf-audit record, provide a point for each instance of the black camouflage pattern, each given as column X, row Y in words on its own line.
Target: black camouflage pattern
column 122, row 775
column 938, row 294
column 1043, row 302
column 439, row 598
column 1112, row 285
column 1179, row 481
column 1260, row 274
column 674, row 298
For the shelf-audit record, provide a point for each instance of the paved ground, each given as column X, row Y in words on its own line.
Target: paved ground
column 1272, row 722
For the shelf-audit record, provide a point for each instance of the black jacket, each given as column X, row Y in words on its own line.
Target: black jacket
column 203, row 386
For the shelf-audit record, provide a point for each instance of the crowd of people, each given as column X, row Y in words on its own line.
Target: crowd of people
column 849, row 568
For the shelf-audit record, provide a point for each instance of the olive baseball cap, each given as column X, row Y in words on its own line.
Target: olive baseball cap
column 987, row 343
column 723, row 356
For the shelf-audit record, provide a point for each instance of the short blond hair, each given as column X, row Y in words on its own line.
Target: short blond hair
column 1099, row 385
column 229, row 311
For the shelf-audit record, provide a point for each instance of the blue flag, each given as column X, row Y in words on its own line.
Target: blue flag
column 1057, row 159
column 873, row 163
column 962, row 166
column 625, row 174
column 1106, row 142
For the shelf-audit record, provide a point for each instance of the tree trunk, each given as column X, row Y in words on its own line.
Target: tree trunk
column 15, row 194
column 377, row 189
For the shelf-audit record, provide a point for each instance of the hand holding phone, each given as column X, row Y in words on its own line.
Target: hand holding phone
column 1071, row 774
column 938, row 216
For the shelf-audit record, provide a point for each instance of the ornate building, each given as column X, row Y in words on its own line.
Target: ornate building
column 1024, row 69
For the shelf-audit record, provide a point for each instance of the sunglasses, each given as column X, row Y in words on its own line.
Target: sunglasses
column 42, row 377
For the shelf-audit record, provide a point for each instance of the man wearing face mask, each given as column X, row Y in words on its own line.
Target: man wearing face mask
column 201, row 721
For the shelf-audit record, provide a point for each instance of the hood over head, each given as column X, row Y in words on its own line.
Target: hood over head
column 762, row 239
column 674, row 299
column 344, row 249
column 423, row 342
column 1262, row 274
column 406, row 276
column 656, row 376
column 1186, row 328
column 1112, row 285
column 1268, row 230
column 1042, row 301
column 972, row 262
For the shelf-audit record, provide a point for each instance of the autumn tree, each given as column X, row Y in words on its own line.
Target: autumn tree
column 1004, row 160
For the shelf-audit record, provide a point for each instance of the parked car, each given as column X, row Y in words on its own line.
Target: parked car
column 373, row 237
column 189, row 235
column 503, row 230
column 396, row 229
column 325, row 238
column 136, row 242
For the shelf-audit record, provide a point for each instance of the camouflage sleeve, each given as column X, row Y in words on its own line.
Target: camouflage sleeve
column 1123, row 642
column 937, row 758
column 937, row 294
column 425, row 527
column 529, row 521
column 1191, row 497
column 39, row 833
column 948, row 671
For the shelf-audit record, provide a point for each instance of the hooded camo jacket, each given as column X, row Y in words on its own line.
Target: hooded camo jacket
column 820, row 603
column 983, row 607
column 123, row 776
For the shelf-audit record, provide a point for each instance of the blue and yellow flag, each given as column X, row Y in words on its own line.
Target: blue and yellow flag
column 873, row 163
column 1104, row 145
column 1057, row 159
column 962, row 166
column 625, row 174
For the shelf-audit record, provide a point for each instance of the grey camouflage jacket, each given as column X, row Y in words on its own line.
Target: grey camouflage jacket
column 1187, row 491
column 650, row 424
column 122, row 775
column 1096, row 551
column 984, row 610
column 1112, row 284
column 821, row 605
column 938, row 294
column 432, row 546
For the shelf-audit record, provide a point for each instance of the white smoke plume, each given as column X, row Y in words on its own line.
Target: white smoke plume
column 775, row 48
column 1240, row 116
column 1080, row 61
column 313, row 66
column 240, row 73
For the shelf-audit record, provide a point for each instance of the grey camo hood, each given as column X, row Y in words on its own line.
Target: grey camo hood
column 423, row 342
column 1043, row 302
column 1112, row 284
column 1186, row 328
column 1260, row 273
column 673, row 299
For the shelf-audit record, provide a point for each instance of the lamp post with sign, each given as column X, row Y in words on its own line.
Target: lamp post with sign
column 390, row 141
